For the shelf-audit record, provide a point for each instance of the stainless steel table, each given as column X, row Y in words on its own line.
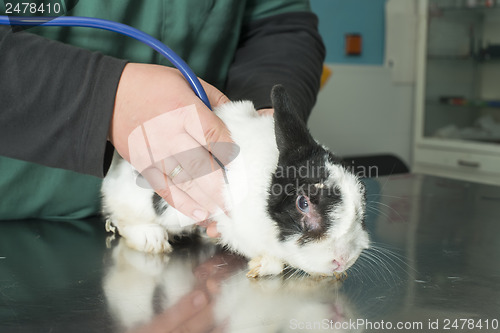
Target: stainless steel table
column 434, row 267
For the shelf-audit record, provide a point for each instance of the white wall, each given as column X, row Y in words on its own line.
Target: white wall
column 361, row 111
column 367, row 109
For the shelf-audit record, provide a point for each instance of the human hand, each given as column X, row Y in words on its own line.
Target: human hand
column 266, row 112
column 166, row 132
column 192, row 313
column 211, row 225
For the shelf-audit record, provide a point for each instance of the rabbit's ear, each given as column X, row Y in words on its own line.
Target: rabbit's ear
column 291, row 131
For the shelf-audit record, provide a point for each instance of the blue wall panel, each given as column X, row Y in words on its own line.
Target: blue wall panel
column 340, row 17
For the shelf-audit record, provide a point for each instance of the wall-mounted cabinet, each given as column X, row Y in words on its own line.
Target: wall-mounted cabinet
column 457, row 131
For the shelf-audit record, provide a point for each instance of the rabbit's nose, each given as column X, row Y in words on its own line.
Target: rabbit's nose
column 338, row 265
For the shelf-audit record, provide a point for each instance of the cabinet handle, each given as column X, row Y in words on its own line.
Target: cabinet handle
column 469, row 164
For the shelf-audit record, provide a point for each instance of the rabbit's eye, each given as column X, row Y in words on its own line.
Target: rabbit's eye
column 302, row 203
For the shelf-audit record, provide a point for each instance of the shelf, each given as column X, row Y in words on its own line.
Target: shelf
column 463, row 102
column 450, row 57
column 478, row 9
column 477, row 140
column 452, row 145
column 474, row 58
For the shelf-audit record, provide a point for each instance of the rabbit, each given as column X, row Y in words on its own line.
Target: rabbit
column 298, row 206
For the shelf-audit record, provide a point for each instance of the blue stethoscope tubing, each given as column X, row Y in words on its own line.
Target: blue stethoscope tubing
column 90, row 22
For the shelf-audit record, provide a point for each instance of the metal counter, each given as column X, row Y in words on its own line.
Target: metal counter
column 434, row 267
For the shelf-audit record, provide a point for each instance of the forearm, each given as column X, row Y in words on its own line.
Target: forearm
column 285, row 49
column 56, row 102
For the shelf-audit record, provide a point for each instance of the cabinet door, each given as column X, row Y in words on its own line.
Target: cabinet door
column 462, row 73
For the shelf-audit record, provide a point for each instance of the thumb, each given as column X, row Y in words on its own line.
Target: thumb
column 214, row 129
column 215, row 96
column 217, row 135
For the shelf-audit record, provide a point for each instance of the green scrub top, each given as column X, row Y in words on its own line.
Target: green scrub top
column 204, row 33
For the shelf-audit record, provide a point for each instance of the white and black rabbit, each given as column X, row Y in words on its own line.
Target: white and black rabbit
column 300, row 208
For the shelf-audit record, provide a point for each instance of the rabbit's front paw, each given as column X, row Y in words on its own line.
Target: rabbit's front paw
column 264, row 265
column 150, row 238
